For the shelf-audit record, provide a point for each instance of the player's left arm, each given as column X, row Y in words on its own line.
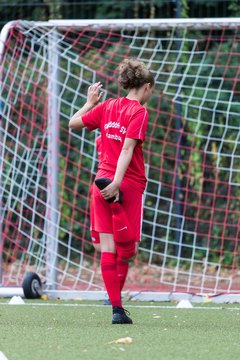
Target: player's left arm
column 93, row 97
column 124, row 160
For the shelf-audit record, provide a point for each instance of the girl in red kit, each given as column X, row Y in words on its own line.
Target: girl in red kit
column 122, row 266
column 122, row 122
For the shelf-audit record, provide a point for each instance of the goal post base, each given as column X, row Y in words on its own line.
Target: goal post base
column 145, row 296
column 150, row 296
column 8, row 292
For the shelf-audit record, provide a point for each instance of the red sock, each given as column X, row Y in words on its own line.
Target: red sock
column 110, row 277
column 122, row 270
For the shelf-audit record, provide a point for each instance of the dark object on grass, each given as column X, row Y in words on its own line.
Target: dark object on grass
column 32, row 286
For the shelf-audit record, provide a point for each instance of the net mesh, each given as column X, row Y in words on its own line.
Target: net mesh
column 190, row 234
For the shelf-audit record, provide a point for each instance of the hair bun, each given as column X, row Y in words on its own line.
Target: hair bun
column 134, row 74
column 130, row 74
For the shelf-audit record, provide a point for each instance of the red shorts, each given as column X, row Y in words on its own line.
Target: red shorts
column 101, row 213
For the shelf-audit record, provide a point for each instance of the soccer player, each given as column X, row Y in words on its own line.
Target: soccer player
column 122, row 122
column 122, row 266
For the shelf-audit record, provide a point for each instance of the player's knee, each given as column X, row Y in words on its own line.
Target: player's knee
column 127, row 251
column 107, row 243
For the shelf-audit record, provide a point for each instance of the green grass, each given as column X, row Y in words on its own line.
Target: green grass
column 32, row 332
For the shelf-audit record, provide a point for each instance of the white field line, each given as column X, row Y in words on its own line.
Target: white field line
column 128, row 306
column 2, row 356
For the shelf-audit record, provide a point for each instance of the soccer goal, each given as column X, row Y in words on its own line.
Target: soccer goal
column 190, row 235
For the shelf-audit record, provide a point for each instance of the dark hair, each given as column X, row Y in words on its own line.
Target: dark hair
column 134, row 74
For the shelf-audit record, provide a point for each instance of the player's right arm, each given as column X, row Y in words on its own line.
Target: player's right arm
column 93, row 98
column 124, row 160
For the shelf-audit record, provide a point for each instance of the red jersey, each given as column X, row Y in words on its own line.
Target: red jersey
column 119, row 119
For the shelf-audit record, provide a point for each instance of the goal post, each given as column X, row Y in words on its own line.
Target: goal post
column 53, row 128
column 190, row 234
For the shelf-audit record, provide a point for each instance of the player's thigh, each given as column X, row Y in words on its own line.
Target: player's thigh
column 133, row 206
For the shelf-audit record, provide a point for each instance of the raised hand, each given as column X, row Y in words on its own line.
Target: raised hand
column 94, row 95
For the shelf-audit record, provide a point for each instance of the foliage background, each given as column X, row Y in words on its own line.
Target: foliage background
column 107, row 9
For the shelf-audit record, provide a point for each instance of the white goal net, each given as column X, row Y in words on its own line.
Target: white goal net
column 190, row 236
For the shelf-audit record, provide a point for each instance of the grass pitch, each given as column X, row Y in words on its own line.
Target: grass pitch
column 57, row 330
